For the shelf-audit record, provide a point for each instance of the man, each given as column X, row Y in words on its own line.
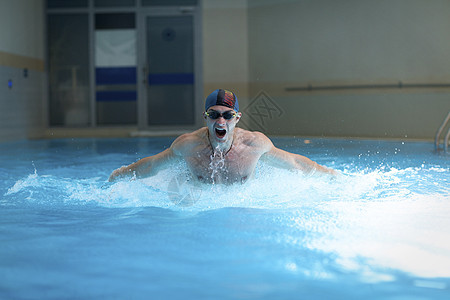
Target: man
column 220, row 152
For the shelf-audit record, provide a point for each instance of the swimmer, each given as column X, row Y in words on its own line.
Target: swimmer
column 221, row 152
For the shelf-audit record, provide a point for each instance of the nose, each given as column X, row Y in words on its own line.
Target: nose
column 221, row 121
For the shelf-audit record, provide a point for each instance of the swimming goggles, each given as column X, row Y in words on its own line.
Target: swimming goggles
column 213, row 115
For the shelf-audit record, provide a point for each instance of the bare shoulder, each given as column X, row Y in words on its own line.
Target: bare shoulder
column 188, row 141
column 254, row 139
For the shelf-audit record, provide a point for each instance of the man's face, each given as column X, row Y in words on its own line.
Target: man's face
column 221, row 121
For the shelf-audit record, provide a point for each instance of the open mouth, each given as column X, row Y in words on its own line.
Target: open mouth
column 220, row 132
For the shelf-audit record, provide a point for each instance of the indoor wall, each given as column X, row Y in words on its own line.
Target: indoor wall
column 22, row 77
column 354, row 68
column 225, row 47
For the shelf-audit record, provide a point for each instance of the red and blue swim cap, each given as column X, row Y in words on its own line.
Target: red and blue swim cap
column 222, row 97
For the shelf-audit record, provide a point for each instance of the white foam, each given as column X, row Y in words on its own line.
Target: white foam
column 270, row 189
column 31, row 180
column 389, row 218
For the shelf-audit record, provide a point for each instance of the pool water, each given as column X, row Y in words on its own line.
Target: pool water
column 379, row 231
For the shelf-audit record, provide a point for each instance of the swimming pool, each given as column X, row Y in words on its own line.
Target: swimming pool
column 381, row 231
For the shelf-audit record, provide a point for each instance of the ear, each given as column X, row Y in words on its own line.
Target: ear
column 204, row 115
column 238, row 116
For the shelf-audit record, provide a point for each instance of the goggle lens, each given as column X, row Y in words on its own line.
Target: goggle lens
column 215, row 115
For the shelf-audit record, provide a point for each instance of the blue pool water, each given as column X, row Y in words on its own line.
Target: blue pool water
column 380, row 231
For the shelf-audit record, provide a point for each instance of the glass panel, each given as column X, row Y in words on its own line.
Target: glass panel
column 68, row 69
column 169, row 2
column 66, row 3
column 116, row 113
column 115, row 69
column 114, row 3
column 115, row 21
column 170, row 89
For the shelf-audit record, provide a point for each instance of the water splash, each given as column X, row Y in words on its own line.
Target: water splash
column 366, row 219
column 270, row 189
column 217, row 164
column 27, row 183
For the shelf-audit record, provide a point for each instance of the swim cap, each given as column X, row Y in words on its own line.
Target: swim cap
column 222, row 97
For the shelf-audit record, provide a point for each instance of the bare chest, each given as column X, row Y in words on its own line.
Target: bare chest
column 237, row 165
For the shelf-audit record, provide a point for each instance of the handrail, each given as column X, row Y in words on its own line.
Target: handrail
column 399, row 85
column 438, row 134
column 446, row 141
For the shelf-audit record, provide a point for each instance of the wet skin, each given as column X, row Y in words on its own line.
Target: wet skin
column 221, row 153
column 208, row 164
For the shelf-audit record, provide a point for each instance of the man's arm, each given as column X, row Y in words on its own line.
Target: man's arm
column 291, row 161
column 145, row 167
column 151, row 165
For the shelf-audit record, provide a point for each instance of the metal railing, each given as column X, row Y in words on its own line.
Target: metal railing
column 438, row 134
column 398, row 85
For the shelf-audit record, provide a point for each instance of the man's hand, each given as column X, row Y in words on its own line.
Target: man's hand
column 119, row 173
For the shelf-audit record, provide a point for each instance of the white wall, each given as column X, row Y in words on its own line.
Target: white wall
column 300, row 43
column 225, row 47
column 22, row 112
column 350, row 41
column 21, row 30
